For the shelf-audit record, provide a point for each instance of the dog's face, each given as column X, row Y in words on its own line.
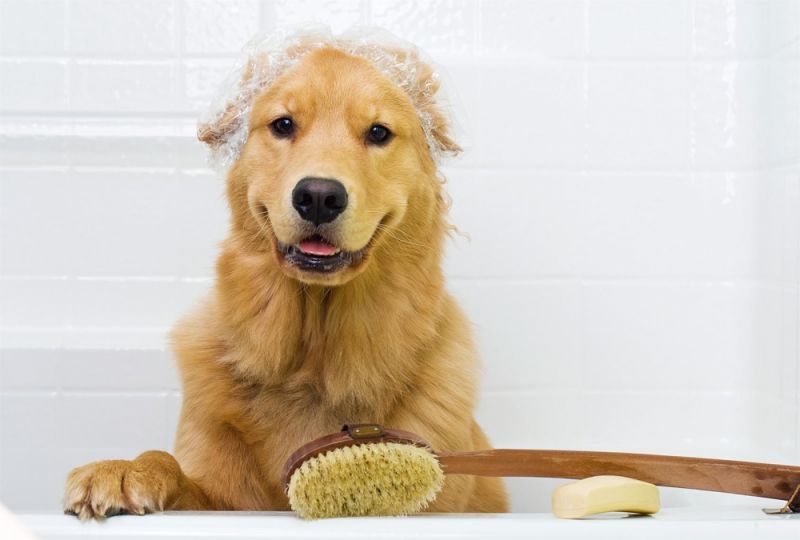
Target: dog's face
column 335, row 151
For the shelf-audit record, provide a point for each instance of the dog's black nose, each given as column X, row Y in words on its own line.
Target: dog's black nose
column 319, row 200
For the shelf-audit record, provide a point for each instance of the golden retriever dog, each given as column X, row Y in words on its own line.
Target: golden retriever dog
column 329, row 305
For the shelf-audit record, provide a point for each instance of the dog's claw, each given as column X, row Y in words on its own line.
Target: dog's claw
column 114, row 511
column 110, row 488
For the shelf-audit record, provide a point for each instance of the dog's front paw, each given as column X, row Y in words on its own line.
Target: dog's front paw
column 109, row 488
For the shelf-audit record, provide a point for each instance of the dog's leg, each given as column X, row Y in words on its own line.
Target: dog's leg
column 150, row 483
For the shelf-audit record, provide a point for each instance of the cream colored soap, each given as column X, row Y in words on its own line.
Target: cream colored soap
column 600, row 494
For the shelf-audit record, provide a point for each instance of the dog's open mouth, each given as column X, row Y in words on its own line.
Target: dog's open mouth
column 316, row 254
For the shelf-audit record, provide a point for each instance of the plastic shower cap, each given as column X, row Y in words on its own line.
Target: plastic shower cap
column 224, row 126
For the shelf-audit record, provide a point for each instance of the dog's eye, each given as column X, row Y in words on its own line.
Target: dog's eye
column 283, row 127
column 378, row 134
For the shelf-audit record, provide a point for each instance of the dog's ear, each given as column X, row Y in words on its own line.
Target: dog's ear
column 427, row 86
column 216, row 131
column 422, row 84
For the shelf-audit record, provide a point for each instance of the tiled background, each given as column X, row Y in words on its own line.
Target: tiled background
column 631, row 187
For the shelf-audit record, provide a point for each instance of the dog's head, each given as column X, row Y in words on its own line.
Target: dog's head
column 336, row 147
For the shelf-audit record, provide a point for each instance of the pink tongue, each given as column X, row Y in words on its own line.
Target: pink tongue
column 315, row 246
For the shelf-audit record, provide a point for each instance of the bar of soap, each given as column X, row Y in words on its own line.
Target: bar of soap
column 600, row 494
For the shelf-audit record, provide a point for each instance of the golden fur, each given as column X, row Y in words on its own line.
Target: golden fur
column 276, row 356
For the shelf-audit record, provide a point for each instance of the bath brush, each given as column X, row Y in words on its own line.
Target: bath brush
column 368, row 470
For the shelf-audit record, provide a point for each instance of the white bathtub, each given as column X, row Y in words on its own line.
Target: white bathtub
column 731, row 523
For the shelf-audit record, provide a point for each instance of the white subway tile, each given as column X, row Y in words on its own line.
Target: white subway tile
column 528, row 332
column 638, row 116
column 47, row 435
column 549, row 28
column 791, row 260
column 201, row 81
column 703, row 424
column 730, row 28
column 637, row 225
column 778, row 111
column 119, row 27
column 29, row 419
column 537, row 224
column 37, row 151
column 111, row 420
column 340, row 16
column 106, row 370
column 517, row 224
column 781, row 27
column 531, row 494
column 637, row 29
column 174, row 403
column 27, row 369
column 111, row 223
column 778, row 227
column 122, row 86
column 771, row 319
column 17, row 18
column 219, row 26
column 112, row 370
column 529, row 116
column 135, row 150
column 33, row 85
column 726, row 112
column 2, row 447
column 543, row 419
column 104, row 305
column 669, row 336
column 132, row 150
column 66, row 336
column 40, row 303
column 34, row 478
column 607, row 335
column 789, row 348
column 136, row 303
column 438, row 26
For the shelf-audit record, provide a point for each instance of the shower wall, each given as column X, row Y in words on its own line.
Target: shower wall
column 629, row 194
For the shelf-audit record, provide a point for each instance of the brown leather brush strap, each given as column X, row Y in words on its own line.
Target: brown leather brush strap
column 350, row 435
column 741, row 477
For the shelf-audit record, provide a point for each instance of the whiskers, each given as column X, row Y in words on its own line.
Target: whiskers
column 264, row 228
column 396, row 234
column 400, row 236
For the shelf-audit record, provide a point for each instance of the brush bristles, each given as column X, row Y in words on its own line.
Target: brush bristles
column 375, row 479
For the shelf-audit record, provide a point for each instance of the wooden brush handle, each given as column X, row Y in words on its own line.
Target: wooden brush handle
column 741, row 477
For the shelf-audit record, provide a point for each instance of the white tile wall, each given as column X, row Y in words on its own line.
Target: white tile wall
column 338, row 15
column 638, row 115
column 129, row 28
column 650, row 29
column 17, row 93
column 218, row 26
column 519, row 28
column 631, row 190
column 17, row 19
